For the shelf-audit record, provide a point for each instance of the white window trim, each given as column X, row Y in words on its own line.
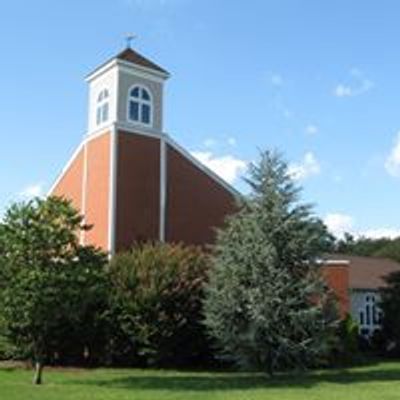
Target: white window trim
column 372, row 325
column 140, row 101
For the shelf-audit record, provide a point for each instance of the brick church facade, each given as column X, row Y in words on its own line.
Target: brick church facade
column 131, row 180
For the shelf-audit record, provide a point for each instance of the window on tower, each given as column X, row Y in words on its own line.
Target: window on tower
column 140, row 105
column 102, row 107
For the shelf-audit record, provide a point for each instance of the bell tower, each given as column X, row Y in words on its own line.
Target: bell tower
column 127, row 90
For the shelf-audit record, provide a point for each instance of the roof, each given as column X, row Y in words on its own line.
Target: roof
column 131, row 56
column 367, row 272
column 135, row 58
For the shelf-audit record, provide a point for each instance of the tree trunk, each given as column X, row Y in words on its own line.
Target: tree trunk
column 37, row 379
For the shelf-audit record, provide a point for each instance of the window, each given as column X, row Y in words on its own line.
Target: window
column 102, row 107
column 370, row 315
column 140, row 105
column 367, row 312
column 361, row 318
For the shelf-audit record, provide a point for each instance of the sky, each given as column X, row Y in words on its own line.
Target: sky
column 317, row 80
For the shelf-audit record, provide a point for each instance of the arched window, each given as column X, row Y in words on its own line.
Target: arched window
column 102, row 107
column 140, row 105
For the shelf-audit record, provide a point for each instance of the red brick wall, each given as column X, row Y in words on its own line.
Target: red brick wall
column 97, row 190
column 337, row 278
column 70, row 184
column 196, row 203
column 138, row 189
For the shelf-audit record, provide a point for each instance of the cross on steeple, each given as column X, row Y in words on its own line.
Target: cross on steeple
column 129, row 38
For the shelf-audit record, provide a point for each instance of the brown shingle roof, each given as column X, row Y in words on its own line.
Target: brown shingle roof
column 134, row 57
column 367, row 272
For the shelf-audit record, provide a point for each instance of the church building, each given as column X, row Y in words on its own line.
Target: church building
column 131, row 180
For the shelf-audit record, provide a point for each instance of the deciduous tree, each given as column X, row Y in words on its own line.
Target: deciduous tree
column 53, row 289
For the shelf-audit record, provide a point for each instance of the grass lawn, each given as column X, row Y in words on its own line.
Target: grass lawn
column 380, row 381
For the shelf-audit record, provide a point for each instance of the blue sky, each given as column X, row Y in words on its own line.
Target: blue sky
column 318, row 80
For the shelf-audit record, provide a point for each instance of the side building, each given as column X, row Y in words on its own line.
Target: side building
column 356, row 282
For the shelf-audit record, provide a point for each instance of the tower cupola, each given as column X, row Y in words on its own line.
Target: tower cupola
column 127, row 90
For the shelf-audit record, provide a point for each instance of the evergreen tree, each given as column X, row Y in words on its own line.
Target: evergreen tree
column 267, row 306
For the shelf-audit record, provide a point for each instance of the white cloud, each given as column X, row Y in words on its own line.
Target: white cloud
column 227, row 167
column 312, row 129
column 338, row 224
column 277, row 80
column 343, row 91
column 308, row 167
column 360, row 85
column 209, row 142
column 392, row 163
column 376, row 233
column 34, row 190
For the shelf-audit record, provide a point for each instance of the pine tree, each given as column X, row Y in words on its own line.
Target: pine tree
column 266, row 304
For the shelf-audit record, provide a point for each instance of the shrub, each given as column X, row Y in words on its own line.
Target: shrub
column 157, row 292
column 347, row 344
column 390, row 305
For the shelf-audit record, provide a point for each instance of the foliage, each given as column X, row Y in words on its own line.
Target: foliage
column 390, row 250
column 390, row 305
column 346, row 350
column 53, row 290
column 383, row 247
column 156, row 304
column 267, row 305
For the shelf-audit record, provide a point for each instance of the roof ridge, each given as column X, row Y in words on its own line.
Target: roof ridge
column 134, row 57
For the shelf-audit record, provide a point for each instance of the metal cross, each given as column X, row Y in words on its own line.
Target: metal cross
column 129, row 39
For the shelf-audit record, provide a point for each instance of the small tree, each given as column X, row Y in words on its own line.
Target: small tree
column 266, row 301
column 156, row 301
column 390, row 305
column 52, row 288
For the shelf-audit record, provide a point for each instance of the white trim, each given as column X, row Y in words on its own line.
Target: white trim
column 126, row 66
column 65, row 169
column 140, row 102
column 139, row 129
column 99, row 132
column 100, row 71
column 144, row 72
column 84, row 191
column 86, row 139
column 112, row 202
column 336, row 262
column 156, row 134
column 203, row 168
column 163, row 188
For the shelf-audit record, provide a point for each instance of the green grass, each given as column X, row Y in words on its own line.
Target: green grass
column 380, row 381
